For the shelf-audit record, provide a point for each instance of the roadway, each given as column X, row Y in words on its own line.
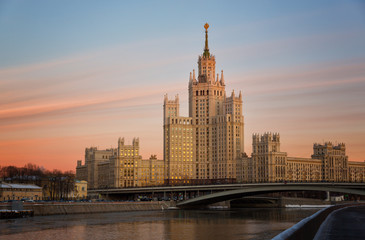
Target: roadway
column 345, row 223
column 219, row 187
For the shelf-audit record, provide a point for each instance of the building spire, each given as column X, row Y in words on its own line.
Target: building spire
column 222, row 79
column 206, row 48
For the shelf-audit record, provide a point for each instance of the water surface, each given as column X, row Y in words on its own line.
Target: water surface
column 161, row 225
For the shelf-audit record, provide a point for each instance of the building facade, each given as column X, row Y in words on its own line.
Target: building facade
column 207, row 147
column 334, row 161
column 303, row 170
column 268, row 163
column 80, row 190
column 212, row 136
column 120, row 167
column 356, row 172
column 179, row 144
column 90, row 170
column 329, row 163
column 16, row 191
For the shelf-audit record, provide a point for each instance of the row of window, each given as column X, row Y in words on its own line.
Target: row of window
column 206, row 92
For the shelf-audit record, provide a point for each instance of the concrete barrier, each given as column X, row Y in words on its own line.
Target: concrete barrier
column 308, row 227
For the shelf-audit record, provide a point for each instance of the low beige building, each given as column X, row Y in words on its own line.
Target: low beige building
column 303, row 170
column 356, row 171
column 80, row 191
column 151, row 172
column 12, row 191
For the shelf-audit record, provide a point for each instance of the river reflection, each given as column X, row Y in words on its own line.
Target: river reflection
column 166, row 225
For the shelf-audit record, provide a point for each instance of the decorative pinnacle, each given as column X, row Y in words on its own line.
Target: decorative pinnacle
column 206, row 49
column 206, row 26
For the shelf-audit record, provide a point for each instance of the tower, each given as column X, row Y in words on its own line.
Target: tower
column 216, row 124
column 218, row 121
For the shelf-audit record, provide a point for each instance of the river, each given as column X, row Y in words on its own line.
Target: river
column 162, row 225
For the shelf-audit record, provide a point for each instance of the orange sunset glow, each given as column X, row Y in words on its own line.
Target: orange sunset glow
column 65, row 85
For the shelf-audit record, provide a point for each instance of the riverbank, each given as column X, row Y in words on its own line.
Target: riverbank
column 57, row 208
column 44, row 209
column 8, row 214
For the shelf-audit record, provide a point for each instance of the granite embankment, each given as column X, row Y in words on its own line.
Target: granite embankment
column 82, row 208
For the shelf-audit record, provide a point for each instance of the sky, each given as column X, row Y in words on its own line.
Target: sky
column 76, row 74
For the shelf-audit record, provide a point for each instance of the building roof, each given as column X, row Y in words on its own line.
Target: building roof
column 80, row 181
column 17, row 185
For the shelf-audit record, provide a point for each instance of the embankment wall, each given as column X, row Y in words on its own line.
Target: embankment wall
column 82, row 208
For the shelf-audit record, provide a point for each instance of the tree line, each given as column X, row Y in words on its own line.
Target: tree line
column 56, row 185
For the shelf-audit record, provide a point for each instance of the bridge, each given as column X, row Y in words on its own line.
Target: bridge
column 198, row 195
column 255, row 189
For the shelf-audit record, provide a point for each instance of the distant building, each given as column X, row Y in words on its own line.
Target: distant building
column 80, row 191
column 204, row 147
column 90, row 171
column 120, row 167
column 334, row 161
column 179, row 145
column 208, row 146
column 329, row 163
column 303, row 170
column 268, row 163
column 356, row 171
column 12, row 191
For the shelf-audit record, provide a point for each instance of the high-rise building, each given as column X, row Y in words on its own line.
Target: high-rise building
column 179, row 146
column 208, row 146
column 212, row 135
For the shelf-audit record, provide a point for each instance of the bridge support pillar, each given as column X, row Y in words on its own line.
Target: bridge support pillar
column 328, row 198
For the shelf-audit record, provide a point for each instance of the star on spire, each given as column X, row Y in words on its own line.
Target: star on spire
column 206, row 49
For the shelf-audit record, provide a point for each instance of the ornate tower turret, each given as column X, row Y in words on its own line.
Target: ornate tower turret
column 222, row 79
column 206, row 62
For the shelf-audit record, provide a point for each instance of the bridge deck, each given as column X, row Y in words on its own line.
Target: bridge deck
column 218, row 187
